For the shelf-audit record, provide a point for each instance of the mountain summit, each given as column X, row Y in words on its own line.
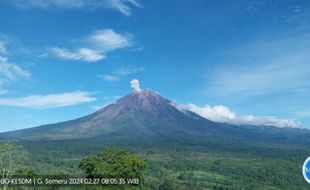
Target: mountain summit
column 142, row 112
column 146, row 114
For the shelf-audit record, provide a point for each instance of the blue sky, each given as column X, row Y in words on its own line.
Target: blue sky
column 230, row 61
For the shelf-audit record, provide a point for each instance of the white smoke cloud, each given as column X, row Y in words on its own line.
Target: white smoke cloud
column 135, row 85
column 224, row 114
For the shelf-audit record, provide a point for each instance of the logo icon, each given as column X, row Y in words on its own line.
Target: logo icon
column 306, row 170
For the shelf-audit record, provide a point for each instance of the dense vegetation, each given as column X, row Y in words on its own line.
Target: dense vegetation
column 178, row 166
column 116, row 165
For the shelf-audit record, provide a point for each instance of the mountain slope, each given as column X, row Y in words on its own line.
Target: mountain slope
column 139, row 112
column 147, row 114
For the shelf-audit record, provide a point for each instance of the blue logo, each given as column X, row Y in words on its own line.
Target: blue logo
column 306, row 170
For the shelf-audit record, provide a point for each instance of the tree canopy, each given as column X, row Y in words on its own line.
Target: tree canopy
column 113, row 163
column 12, row 160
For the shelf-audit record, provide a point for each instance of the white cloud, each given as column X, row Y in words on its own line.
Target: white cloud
column 128, row 70
column 278, row 75
column 96, row 46
column 216, row 113
column 223, row 114
column 3, row 59
column 49, row 101
column 82, row 54
column 10, row 71
column 49, row 3
column 106, row 40
column 121, row 72
column 3, row 49
column 279, row 65
column 270, row 73
column 135, row 85
column 43, row 55
column 122, row 6
column 110, row 78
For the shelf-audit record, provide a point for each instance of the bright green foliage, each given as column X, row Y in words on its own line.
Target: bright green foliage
column 12, row 158
column 114, row 164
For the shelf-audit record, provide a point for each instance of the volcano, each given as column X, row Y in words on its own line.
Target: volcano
column 146, row 114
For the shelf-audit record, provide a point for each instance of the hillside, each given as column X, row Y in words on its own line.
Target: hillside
column 148, row 115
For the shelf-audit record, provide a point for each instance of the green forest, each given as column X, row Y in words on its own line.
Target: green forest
column 160, row 166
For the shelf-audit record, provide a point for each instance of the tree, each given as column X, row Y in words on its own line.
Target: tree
column 12, row 157
column 113, row 163
column 166, row 185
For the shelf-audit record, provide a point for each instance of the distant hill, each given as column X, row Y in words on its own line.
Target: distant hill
column 148, row 115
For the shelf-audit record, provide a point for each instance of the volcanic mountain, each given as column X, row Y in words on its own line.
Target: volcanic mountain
column 146, row 114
